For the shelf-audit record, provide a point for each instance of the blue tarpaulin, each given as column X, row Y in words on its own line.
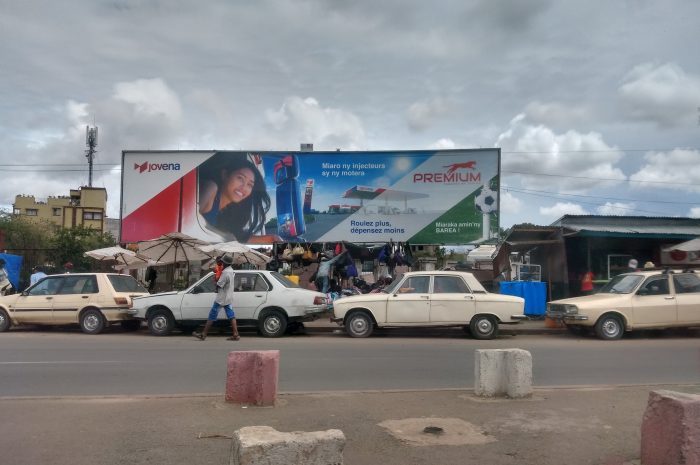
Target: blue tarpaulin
column 13, row 264
column 534, row 293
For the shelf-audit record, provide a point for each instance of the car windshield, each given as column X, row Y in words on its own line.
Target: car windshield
column 283, row 280
column 125, row 283
column 621, row 284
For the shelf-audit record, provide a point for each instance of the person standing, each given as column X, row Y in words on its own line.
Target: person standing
column 324, row 271
column 587, row 283
column 151, row 277
column 224, row 298
column 37, row 274
column 5, row 284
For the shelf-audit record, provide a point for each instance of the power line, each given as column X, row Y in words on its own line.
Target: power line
column 599, row 179
column 526, row 191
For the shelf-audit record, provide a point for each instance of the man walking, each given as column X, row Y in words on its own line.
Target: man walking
column 224, row 298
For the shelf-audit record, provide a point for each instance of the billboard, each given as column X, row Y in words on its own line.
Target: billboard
column 425, row 197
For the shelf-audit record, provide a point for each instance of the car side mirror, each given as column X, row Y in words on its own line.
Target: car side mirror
column 25, row 293
column 643, row 292
column 197, row 290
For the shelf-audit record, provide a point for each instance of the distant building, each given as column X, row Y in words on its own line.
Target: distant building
column 83, row 207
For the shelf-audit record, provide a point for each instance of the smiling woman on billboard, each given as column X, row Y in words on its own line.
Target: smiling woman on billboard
column 232, row 196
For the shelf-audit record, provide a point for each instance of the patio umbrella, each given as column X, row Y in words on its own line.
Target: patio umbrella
column 174, row 248
column 241, row 253
column 123, row 258
column 692, row 245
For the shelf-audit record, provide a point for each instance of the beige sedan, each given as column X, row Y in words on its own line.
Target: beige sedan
column 92, row 300
column 430, row 299
column 631, row 301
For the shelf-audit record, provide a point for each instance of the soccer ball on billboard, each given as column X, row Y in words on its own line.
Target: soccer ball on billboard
column 486, row 201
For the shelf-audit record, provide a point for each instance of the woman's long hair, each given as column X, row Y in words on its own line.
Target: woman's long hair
column 247, row 217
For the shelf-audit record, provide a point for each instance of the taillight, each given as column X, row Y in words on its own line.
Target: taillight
column 318, row 300
column 122, row 301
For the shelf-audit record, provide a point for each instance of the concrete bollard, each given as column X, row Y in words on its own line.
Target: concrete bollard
column 263, row 445
column 503, row 372
column 671, row 429
column 252, row 377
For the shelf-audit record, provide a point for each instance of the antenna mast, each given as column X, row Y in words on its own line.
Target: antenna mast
column 91, row 142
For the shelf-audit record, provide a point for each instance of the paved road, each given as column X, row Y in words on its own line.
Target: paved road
column 63, row 362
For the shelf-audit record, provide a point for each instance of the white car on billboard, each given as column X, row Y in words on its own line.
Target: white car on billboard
column 264, row 299
column 430, row 299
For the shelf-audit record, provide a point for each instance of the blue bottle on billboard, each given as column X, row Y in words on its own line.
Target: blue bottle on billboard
column 290, row 216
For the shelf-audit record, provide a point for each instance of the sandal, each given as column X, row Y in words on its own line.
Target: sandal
column 234, row 338
column 199, row 336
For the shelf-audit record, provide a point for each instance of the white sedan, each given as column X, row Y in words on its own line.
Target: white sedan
column 265, row 299
column 430, row 298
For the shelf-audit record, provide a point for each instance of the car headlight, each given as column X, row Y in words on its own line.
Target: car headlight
column 570, row 309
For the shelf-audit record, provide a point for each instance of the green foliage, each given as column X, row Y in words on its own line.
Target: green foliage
column 69, row 245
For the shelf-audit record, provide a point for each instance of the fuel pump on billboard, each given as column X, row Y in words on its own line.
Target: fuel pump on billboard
column 290, row 215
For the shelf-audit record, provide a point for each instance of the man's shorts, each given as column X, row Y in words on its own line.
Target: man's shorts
column 214, row 312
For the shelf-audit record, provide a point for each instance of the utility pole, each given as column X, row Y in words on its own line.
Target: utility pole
column 91, row 142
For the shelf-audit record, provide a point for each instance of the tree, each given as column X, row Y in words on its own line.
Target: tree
column 69, row 245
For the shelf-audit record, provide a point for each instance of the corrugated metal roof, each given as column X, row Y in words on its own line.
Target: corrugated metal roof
column 632, row 225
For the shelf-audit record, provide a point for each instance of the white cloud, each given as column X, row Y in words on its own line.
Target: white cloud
column 557, row 113
column 616, row 208
column 443, row 144
column 510, row 203
column 678, row 169
column 663, row 94
column 422, row 115
column 560, row 209
column 574, row 161
column 694, row 212
column 305, row 120
column 151, row 97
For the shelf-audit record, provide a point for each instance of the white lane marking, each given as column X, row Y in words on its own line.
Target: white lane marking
column 60, row 362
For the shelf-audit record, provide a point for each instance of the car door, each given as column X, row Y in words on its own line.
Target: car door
column 250, row 293
column 451, row 300
column 196, row 303
column 687, row 289
column 653, row 303
column 75, row 293
column 410, row 303
column 35, row 306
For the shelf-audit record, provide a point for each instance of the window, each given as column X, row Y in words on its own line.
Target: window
column 208, row 285
column 32, row 212
column 47, row 286
column 656, row 285
column 283, row 280
column 92, row 215
column 125, row 283
column 449, row 285
column 57, row 211
column 16, row 211
column 249, row 282
column 415, row 285
column 77, row 284
column 686, row 283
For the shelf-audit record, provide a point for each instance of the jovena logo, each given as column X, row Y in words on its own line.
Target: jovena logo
column 148, row 167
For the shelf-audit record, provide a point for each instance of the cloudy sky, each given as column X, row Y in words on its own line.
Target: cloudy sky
column 595, row 104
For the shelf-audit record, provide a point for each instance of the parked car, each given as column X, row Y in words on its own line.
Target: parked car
column 430, row 298
column 631, row 301
column 265, row 299
column 92, row 300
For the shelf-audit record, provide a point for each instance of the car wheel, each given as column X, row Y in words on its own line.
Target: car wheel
column 359, row 324
column 483, row 327
column 273, row 323
column 161, row 323
column 5, row 322
column 130, row 325
column 92, row 321
column 609, row 327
